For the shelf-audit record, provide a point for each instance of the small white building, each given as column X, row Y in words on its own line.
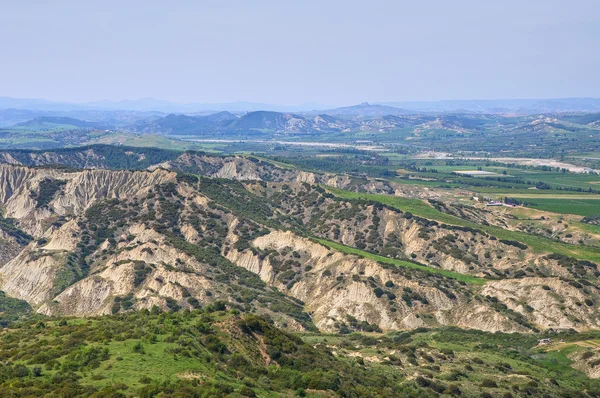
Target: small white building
column 544, row 341
column 494, row 203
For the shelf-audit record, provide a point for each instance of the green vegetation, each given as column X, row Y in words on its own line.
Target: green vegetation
column 472, row 363
column 238, row 199
column 9, row 226
column 582, row 207
column 204, row 353
column 415, row 206
column 47, row 189
column 107, row 220
column 592, row 220
column 199, row 349
column 215, row 352
column 11, row 309
column 401, row 263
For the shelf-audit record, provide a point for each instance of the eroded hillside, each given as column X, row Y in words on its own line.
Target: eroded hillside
column 241, row 168
column 88, row 242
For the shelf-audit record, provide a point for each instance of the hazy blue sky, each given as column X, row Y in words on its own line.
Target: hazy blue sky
column 288, row 52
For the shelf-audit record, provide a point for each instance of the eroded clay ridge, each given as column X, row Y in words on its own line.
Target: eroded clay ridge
column 111, row 241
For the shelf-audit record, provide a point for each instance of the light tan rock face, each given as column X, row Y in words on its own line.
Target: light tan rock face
column 64, row 237
column 31, row 275
column 90, row 186
column 16, row 185
column 7, row 158
column 237, row 170
column 551, row 302
column 337, row 286
column 395, row 234
column 586, row 361
column 34, row 273
column 252, row 263
column 309, row 178
column 81, row 190
column 94, row 294
column 476, row 246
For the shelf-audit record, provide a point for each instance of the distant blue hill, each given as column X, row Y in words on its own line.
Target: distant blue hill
column 522, row 106
column 52, row 121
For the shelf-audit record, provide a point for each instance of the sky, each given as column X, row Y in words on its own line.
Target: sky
column 292, row 52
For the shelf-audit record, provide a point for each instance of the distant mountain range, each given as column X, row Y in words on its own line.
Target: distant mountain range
column 519, row 106
column 12, row 116
column 254, row 123
column 51, row 121
column 227, row 124
column 366, row 110
column 269, row 124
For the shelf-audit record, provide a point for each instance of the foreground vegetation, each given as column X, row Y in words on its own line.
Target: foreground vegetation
column 204, row 353
column 216, row 352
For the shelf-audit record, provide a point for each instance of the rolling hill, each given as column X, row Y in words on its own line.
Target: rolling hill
column 53, row 122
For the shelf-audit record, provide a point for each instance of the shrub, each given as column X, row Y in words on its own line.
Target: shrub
column 138, row 348
column 589, row 302
column 145, row 380
column 489, row 383
column 587, row 355
column 215, row 345
column 20, row 371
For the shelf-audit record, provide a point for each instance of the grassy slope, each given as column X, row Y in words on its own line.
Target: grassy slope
column 211, row 353
column 177, row 356
column 400, row 263
column 422, row 209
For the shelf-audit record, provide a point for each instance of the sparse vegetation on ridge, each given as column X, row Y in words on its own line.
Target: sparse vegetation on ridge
column 422, row 209
column 401, row 263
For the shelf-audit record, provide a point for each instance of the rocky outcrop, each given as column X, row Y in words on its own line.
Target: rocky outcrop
column 587, row 360
column 338, row 285
column 550, row 302
column 32, row 275
column 115, row 276
column 90, row 186
column 19, row 186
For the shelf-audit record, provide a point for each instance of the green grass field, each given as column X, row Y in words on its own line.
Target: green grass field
column 400, row 263
column 130, row 366
column 444, row 177
column 581, row 207
column 423, row 209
